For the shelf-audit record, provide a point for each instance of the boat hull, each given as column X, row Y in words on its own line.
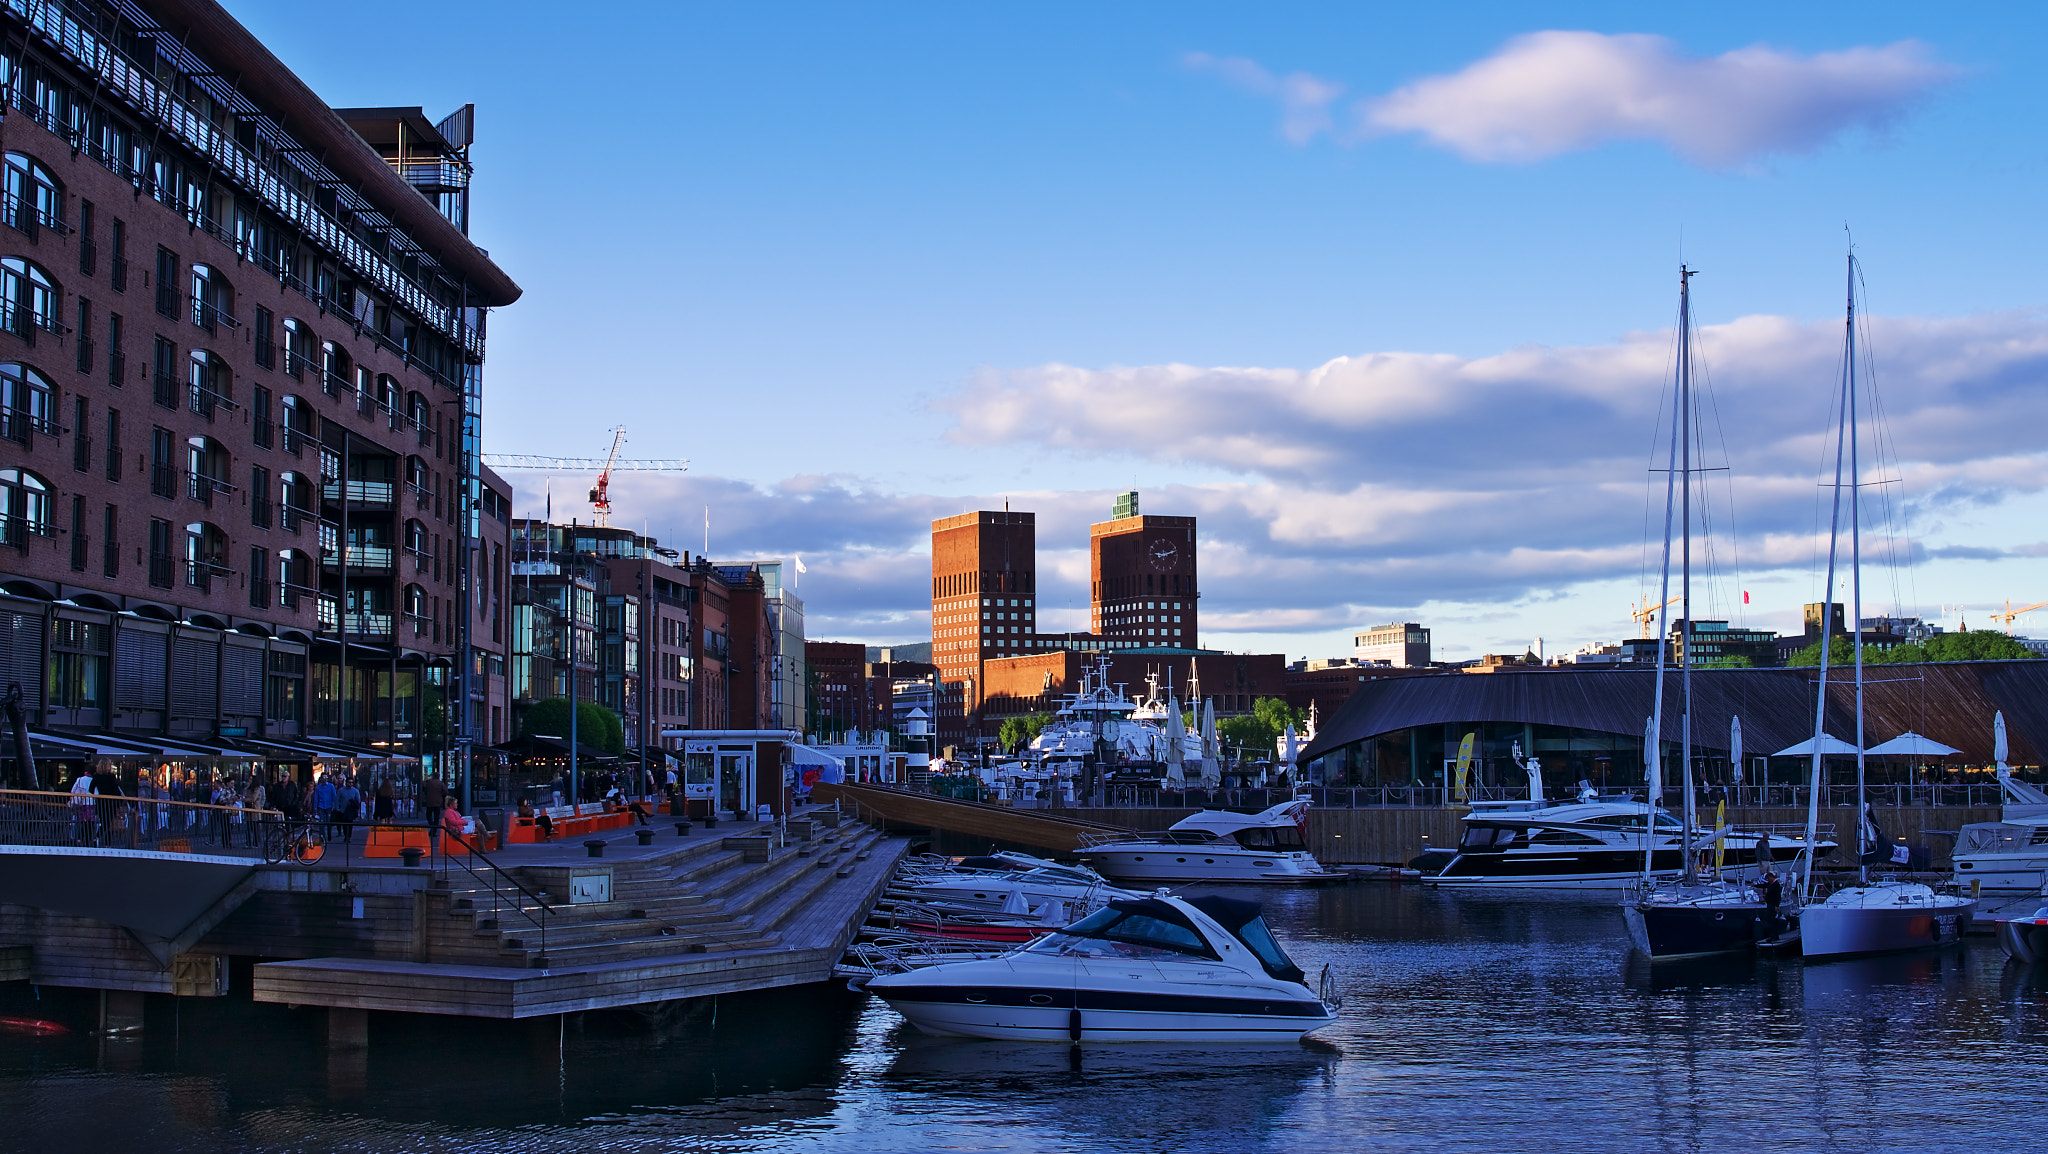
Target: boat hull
column 2024, row 940
column 1183, row 865
column 2002, row 873
column 1831, row 932
column 1025, row 1014
column 1668, row 930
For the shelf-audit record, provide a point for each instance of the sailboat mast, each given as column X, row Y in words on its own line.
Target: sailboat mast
column 1653, row 737
column 1856, row 563
column 1820, row 697
column 1685, row 556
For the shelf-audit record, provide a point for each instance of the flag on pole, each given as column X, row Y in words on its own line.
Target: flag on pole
column 1745, row 596
column 1464, row 763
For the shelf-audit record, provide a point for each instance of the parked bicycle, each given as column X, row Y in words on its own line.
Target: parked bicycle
column 294, row 840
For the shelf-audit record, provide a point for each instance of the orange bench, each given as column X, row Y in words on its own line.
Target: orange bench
column 522, row 831
column 389, row 840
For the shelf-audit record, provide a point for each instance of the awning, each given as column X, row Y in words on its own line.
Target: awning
column 805, row 755
column 1830, row 746
column 82, row 745
column 1910, row 744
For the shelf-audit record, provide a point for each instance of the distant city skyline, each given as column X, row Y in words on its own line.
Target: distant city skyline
column 1382, row 298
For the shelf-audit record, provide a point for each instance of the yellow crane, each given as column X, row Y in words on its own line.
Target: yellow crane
column 1643, row 612
column 2011, row 614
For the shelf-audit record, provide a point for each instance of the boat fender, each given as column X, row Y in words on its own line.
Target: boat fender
column 1074, row 1024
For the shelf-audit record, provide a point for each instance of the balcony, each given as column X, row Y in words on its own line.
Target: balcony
column 367, row 624
column 377, row 494
column 364, row 559
column 201, row 487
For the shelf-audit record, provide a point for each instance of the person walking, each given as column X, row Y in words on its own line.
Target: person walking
column 348, row 803
column 323, row 803
column 221, row 798
column 82, row 808
column 254, row 802
column 385, row 807
column 433, row 796
column 285, row 798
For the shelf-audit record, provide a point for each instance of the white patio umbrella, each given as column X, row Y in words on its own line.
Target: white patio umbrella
column 1830, row 746
column 1910, row 744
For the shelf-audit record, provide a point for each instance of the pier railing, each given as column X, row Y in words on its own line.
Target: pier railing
column 112, row 821
column 1435, row 797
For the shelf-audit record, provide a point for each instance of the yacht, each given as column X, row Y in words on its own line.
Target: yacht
column 1214, row 846
column 1141, row 969
column 1599, row 844
column 2009, row 855
column 1882, row 918
column 1711, row 916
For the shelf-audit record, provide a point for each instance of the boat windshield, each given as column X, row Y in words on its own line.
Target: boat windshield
column 1123, row 933
column 1997, row 837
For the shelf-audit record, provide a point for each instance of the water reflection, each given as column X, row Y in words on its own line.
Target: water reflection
column 1473, row 1022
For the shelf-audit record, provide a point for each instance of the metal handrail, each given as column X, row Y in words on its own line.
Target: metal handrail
column 107, row 821
column 476, row 851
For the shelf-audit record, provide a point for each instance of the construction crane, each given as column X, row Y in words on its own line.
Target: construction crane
column 600, row 494
column 2012, row 614
column 1642, row 613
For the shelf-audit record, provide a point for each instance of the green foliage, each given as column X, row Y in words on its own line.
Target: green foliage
column 596, row 726
column 1737, row 661
column 434, row 726
column 1017, row 730
column 1981, row 645
column 1260, row 730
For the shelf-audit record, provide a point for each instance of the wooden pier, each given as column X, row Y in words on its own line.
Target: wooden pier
column 550, row 930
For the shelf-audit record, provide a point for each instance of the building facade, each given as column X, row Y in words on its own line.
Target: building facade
column 1142, row 579
column 984, row 590
column 1401, row 644
column 241, row 348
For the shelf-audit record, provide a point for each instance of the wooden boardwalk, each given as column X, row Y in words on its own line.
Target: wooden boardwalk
column 1056, row 831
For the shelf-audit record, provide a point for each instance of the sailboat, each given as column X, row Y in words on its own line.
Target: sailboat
column 1889, row 916
column 1695, row 915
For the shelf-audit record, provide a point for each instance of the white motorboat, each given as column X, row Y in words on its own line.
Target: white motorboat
column 1599, row 844
column 2025, row 937
column 1026, row 891
column 1143, row 969
column 1214, row 846
column 2003, row 856
column 1882, row 918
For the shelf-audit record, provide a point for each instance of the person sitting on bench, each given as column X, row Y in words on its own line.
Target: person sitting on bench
column 541, row 821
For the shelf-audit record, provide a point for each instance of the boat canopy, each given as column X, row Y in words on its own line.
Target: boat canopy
column 1223, row 823
column 1246, row 922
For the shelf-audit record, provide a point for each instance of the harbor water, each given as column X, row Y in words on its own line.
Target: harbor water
column 1471, row 1022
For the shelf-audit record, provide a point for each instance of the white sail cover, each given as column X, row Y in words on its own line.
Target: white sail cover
column 1735, row 746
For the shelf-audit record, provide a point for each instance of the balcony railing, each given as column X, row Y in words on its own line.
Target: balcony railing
column 360, row 492
column 117, row 274
column 88, row 258
column 163, row 480
column 380, row 558
column 368, row 624
column 117, row 368
column 25, row 322
column 28, row 217
column 210, row 316
column 160, row 570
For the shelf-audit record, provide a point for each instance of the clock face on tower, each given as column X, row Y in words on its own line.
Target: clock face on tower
column 1162, row 553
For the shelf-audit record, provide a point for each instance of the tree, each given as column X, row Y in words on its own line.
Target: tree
column 596, row 726
column 1017, row 730
column 1259, row 731
column 1982, row 645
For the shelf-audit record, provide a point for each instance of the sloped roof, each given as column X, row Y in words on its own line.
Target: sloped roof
column 1951, row 702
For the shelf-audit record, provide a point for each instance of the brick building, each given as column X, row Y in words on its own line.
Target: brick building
column 241, row 348
column 1141, row 577
column 984, row 585
column 1040, row 682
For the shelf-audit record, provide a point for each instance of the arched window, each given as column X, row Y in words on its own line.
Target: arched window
column 206, row 555
column 294, row 576
column 206, row 469
column 25, row 403
column 294, row 498
column 297, row 419
column 391, row 399
column 420, row 414
column 337, row 370
column 34, row 196
column 298, row 347
column 24, row 507
column 420, row 544
column 213, row 299
column 212, row 384
column 28, row 299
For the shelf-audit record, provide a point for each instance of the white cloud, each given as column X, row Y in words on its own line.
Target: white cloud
column 1305, row 100
column 1547, row 93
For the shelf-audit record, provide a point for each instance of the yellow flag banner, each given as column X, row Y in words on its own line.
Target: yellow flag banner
column 1464, row 762
column 1720, row 828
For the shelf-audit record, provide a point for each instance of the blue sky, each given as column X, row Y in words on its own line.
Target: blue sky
column 865, row 267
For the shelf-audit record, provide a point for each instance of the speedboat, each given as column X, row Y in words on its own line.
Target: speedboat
column 2009, row 855
column 1141, row 969
column 1592, row 844
column 2024, row 938
column 1214, row 846
column 1884, row 918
